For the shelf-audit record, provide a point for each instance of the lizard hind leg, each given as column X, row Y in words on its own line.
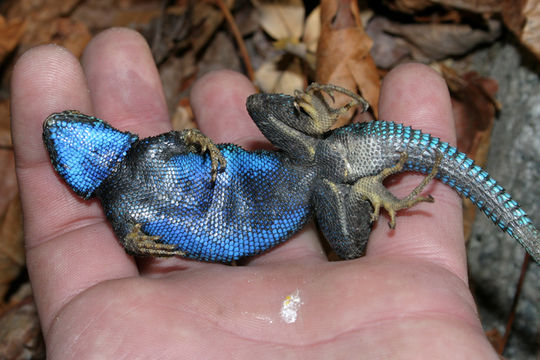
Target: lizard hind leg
column 372, row 189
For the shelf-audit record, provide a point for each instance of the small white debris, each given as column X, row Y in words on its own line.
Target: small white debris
column 290, row 307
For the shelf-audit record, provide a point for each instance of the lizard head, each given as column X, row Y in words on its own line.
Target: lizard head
column 84, row 149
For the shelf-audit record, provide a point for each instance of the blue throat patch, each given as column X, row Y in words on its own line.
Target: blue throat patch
column 84, row 151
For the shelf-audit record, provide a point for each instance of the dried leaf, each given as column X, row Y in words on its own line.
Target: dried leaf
column 39, row 16
column 414, row 6
column 45, row 25
column 312, row 30
column 5, row 125
column 248, row 20
column 282, row 19
column 99, row 14
column 343, row 56
column 11, row 32
column 11, row 245
column 272, row 76
column 137, row 15
column 8, row 180
column 183, row 117
column 71, row 34
column 438, row 41
column 220, row 54
column 523, row 19
column 174, row 74
column 206, row 18
column 20, row 335
column 408, row 6
column 485, row 7
column 388, row 50
column 40, row 10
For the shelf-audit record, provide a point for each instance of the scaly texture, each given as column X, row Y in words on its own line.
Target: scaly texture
column 258, row 201
column 374, row 146
column 179, row 194
column 298, row 125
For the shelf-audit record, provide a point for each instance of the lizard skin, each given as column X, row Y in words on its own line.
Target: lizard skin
column 179, row 194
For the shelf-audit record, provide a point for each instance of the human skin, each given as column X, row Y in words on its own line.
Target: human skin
column 407, row 298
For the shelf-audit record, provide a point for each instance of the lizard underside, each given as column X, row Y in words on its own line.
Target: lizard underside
column 180, row 194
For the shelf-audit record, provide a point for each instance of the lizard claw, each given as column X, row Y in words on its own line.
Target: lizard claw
column 140, row 244
column 372, row 189
column 196, row 138
column 322, row 115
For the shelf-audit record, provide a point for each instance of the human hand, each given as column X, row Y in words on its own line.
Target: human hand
column 407, row 298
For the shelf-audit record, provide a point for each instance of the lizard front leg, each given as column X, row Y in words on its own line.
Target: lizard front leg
column 297, row 124
column 196, row 139
column 322, row 115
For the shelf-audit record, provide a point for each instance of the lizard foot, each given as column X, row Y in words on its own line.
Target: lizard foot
column 372, row 189
column 315, row 105
column 194, row 137
column 138, row 243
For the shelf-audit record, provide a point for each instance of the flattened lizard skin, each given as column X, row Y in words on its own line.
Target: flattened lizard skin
column 258, row 201
column 164, row 197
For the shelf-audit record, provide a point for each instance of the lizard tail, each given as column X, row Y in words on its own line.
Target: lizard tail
column 463, row 175
column 470, row 180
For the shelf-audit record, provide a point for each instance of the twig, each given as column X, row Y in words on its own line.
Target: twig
column 238, row 38
column 515, row 301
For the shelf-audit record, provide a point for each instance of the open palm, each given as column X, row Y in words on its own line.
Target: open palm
column 408, row 298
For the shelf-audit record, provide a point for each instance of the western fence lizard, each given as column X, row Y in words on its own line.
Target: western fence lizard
column 179, row 194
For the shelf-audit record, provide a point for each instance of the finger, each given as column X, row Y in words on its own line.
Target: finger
column 415, row 95
column 219, row 105
column 66, row 248
column 124, row 83
column 126, row 91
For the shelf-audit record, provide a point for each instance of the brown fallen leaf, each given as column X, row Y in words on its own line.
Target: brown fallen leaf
column 312, row 30
column 39, row 16
column 183, row 117
column 71, row 34
column 11, row 245
column 138, row 15
column 220, row 54
column 5, row 125
column 177, row 74
column 206, row 18
column 523, row 19
column 283, row 20
column 11, row 32
column 343, row 56
column 388, row 50
column 8, row 180
column 20, row 334
column 435, row 41
column 102, row 14
column 167, row 29
column 477, row 6
column 281, row 75
column 39, row 10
